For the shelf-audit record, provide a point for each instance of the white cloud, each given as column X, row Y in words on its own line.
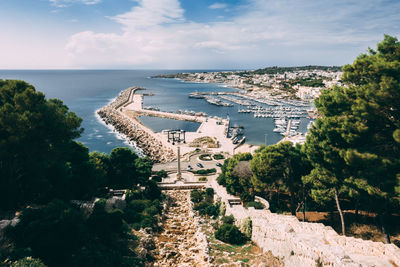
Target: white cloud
column 65, row 3
column 218, row 6
column 155, row 34
column 150, row 13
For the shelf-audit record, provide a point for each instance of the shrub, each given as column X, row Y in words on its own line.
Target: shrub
column 210, row 191
column 139, row 205
column 222, row 208
column 228, row 219
column 247, row 196
column 247, row 227
column 206, row 171
column 156, row 178
column 218, row 156
column 203, row 202
column 205, row 157
column 162, row 174
column 196, row 196
column 28, row 262
column 229, row 233
column 203, row 179
column 256, row 205
column 221, row 179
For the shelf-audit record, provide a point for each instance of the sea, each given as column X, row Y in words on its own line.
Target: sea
column 85, row 91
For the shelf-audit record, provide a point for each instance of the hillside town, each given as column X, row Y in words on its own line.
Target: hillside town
column 303, row 83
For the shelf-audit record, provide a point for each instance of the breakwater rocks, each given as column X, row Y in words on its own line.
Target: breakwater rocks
column 151, row 147
column 181, row 243
column 133, row 130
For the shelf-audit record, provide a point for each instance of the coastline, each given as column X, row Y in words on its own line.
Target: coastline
column 119, row 135
column 132, row 129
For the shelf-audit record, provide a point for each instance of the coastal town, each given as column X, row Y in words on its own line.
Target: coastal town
column 304, row 83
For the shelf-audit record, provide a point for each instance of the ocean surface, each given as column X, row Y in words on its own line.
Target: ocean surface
column 85, row 91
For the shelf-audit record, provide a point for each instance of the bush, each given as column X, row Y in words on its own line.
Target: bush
column 228, row 219
column 152, row 191
column 206, row 171
column 218, row 156
column 256, row 205
column 222, row 208
column 210, row 192
column 196, row 196
column 203, row 202
column 205, row 157
column 247, row 196
column 229, row 233
column 203, row 179
column 28, row 262
column 162, row 174
column 156, row 178
column 138, row 205
column 247, row 227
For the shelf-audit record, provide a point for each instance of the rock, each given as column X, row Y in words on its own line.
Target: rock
column 147, row 243
column 142, row 253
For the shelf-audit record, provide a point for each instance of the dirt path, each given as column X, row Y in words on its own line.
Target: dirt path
column 180, row 243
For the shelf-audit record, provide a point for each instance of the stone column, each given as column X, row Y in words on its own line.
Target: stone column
column 179, row 174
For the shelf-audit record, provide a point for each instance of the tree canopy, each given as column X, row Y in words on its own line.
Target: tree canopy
column 356, row 138
column 37, row 152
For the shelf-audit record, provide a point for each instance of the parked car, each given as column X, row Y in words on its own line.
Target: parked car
column 200, row 165
column 219, row 164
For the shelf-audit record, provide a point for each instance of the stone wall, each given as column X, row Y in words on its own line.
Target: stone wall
column 309, row 244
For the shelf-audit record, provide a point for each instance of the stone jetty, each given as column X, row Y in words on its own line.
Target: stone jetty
column 113, row 114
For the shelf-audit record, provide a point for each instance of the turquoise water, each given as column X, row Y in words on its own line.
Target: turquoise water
column 85, row 91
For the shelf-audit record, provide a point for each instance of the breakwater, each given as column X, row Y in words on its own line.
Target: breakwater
column 113, row 114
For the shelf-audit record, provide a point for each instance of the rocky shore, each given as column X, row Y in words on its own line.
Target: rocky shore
column 133, row 130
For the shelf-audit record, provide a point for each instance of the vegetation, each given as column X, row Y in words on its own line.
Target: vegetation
column 309, row 82
column 229, row 233
column 203, row 179
column 205, row 171
column 280, row 167
column 60, row 235
column 236, row 174
column 247, row 227
column 351, row 153
column 203, row 202
column 353, row 146
column 218, row 156
column 43, row 168
column 204, row 141
column 255, row 204
column 205, row 157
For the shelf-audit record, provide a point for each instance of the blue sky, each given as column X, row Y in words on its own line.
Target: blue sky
column 176, row 34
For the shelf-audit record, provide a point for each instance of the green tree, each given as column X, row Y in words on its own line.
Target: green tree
column 36, row 136
column 60, row 235
column 231, row 178
column 355, row 138
column 280, row 167
column 123, row 173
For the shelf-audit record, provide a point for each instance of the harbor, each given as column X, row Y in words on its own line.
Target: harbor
column 286, row 113
column 124, row 114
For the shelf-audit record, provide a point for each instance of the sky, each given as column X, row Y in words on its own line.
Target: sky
column 190, row 34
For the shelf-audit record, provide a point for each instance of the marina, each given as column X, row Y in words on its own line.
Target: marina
column 286, row 113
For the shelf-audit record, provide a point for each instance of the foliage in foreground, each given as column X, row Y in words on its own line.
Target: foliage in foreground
column 354, row 146
column 60, row 235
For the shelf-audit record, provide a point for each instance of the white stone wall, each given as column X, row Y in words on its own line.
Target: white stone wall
column 309, row 244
